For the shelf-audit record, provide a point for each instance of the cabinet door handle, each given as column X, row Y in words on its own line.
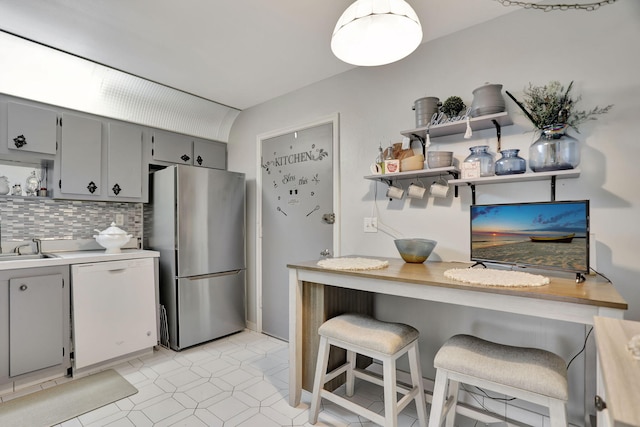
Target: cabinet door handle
column 199, row 160
column 20, row 141
column 116, row 189
column 23, row 287
column 92, row 187
column 185, row 158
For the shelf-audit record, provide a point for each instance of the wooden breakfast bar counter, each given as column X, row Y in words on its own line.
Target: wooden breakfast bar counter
column 317, row 294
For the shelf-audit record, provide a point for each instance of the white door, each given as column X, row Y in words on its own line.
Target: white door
column 297, row 212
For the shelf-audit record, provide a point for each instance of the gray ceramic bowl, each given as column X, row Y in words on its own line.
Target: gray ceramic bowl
column 439, row 159
column 415, row 250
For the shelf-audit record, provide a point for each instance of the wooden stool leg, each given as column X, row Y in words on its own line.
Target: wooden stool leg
column 558, row 414
column 454, row 388
column 390, row 393
column 416, row 381
column 439, row 396
column 318, row 382
column 351, row 360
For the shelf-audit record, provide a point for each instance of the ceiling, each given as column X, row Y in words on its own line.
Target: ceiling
column 239, row 53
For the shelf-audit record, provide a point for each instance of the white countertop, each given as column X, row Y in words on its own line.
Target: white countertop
column 77, row 257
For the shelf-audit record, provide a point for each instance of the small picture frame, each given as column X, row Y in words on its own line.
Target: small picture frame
column 470, row 170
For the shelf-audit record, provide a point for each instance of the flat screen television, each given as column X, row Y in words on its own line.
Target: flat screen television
column 545, row 235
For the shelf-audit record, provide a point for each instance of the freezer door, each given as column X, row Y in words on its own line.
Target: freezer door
column 209, row 307
column 210, row 221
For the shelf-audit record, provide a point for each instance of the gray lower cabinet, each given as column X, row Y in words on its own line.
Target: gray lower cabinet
column 31, row 129
column 80, row 169
column 35, row 333
column 35, row 323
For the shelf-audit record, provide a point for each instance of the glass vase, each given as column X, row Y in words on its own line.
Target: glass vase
column 510, row 163
column 554, row 150
column 480, row 153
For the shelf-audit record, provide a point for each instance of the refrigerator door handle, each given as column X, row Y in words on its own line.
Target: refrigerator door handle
column 208, row 276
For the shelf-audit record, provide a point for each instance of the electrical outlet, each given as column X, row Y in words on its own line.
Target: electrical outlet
column 371, row 225
column 119, row 219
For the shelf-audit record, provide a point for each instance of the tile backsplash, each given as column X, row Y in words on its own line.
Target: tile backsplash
column 24, row 218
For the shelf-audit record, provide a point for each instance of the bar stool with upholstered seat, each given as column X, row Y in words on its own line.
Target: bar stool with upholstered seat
column 383, row 341
column 531, row 374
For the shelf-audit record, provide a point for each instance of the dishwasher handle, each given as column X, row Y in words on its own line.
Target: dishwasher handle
column 212, row 275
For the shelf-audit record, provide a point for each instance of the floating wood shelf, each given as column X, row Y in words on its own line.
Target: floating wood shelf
column 459, row 127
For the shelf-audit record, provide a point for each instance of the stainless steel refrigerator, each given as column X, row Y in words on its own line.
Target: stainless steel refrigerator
column 196, row 220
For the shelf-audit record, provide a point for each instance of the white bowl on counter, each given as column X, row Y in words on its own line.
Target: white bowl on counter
column 112, row 238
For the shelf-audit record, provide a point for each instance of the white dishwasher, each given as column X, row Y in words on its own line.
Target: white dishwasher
column 113, row 309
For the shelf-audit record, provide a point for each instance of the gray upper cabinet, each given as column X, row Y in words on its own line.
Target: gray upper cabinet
column 172, row 148
column 92, row 170
column 186, row 150
column 124, row 163
column 31, row 129
column 209, row 154
column 80, row 169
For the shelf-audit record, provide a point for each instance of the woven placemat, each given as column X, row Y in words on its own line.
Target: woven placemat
column 353, row 263
column 492, row 277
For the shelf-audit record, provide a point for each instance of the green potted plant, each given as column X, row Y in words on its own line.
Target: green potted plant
column 552, row 110
column 453, row 106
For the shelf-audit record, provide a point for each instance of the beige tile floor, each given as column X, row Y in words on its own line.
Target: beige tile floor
column 240, row 380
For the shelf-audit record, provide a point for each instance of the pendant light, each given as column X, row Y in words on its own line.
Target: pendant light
column 376, row 32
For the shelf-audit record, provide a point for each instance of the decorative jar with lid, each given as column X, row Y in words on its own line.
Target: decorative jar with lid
column 510, row 163
column 480, row 153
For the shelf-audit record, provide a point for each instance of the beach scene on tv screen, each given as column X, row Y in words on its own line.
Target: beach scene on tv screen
column 550, row 235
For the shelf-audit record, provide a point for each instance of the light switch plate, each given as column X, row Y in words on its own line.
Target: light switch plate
column 371, row 225
column 119, row 219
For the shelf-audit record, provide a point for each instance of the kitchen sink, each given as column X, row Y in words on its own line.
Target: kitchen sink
column 21, row 257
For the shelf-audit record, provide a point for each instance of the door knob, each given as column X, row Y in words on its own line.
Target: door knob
column 329, row 218
column 326, row 253
column 23, row 287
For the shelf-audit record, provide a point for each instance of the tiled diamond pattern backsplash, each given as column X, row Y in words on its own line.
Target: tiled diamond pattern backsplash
column 23, row 218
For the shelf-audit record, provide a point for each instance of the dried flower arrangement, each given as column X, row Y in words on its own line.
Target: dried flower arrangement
column 551, row 104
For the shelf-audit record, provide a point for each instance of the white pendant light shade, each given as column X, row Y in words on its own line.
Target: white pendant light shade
column 376, row 32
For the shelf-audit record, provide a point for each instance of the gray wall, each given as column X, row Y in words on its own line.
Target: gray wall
column 598, row 50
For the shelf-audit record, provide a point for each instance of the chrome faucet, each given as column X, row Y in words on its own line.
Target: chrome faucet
column 38, row 243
